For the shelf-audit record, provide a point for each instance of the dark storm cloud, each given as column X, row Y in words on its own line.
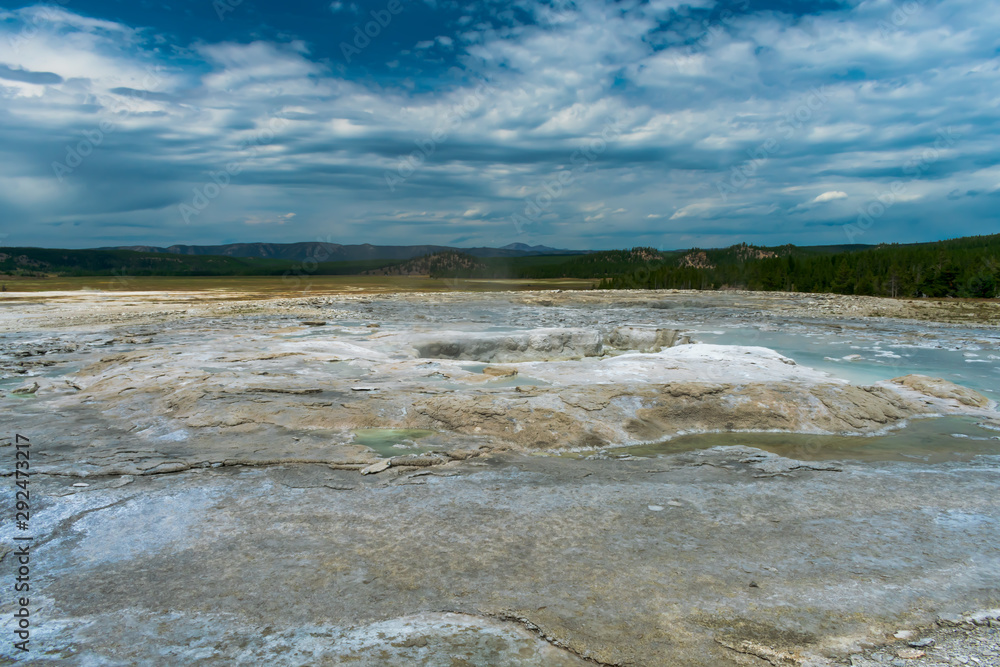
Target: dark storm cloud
column 28, row 77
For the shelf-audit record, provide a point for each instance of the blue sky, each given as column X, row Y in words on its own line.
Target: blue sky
column 572, row 124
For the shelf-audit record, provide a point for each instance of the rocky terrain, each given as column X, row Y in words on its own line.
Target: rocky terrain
column 26, row 311
column 374, row 479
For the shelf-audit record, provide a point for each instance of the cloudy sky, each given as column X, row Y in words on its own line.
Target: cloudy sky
column 584, row 124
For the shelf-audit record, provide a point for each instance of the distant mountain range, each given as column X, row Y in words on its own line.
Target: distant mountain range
column 966, row 267
column 335, row 252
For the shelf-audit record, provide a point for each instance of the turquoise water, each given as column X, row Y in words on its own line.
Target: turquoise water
column 882, row 356
column 387, row 442
column 9, row 384
column 922, row 440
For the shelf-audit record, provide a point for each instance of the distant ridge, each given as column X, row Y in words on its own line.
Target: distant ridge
column 440, row 263
column 967, row 267
column 335, row 252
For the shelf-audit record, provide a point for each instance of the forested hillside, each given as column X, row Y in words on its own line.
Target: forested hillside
column 58, row 262
column 966, row 267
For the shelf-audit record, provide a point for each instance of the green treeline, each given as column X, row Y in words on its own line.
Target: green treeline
column 49, row 261
column 966, row 267
column 601, row 264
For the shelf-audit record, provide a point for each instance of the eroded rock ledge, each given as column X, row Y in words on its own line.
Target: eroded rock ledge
column 202, row 402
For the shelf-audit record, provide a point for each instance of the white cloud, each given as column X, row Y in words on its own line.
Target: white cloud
column 259, row 68
column 688, row 119
column 46, row 16
column 690, row 210
column 337, row 6
column 829, row 196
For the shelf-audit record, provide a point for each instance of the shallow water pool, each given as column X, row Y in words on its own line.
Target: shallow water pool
column 932, row 440
column 865, row 356
column 387, row 442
